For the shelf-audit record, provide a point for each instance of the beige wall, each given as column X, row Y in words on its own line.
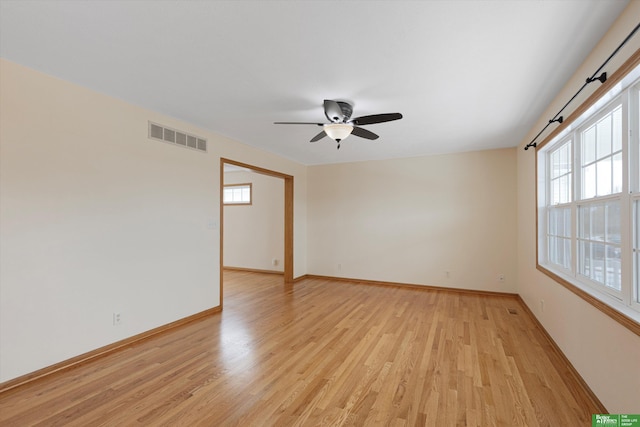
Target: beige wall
column 413, row 220
column 96, row 218
column 606, row 354
column 254, row 234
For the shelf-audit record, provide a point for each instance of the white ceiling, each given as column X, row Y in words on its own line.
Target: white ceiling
column 466, row 74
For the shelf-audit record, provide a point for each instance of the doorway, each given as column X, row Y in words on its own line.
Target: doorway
column 288, row 217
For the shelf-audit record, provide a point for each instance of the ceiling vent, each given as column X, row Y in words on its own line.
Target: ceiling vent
column 176, row 137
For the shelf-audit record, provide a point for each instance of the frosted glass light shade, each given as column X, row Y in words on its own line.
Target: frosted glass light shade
column 338, row 131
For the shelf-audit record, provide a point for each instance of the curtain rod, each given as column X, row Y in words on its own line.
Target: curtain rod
column 602, row 78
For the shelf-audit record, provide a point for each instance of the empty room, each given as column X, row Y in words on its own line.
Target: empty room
column 297, row 213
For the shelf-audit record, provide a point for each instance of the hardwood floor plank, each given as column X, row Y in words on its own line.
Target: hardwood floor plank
column 322, row 352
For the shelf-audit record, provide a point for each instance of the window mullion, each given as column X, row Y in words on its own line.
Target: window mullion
column 626, row 245
column 635, row 251
column 633, row 134
column 577, row 188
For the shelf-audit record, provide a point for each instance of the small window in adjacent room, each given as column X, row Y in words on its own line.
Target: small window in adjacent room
column 237, row 194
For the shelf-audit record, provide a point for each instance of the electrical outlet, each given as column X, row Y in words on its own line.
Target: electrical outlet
column 542, row 305
column 274, row 262
column 448, row 274
column 117, row 318
column 500, row 277
column 339, row 267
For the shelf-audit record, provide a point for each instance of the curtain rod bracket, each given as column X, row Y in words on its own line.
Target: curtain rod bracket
column 602, row 78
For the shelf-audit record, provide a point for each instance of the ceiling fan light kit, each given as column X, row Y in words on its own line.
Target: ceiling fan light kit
column 338, row 131
column 342, row 125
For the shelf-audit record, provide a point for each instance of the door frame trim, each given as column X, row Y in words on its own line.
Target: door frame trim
column 288, row 216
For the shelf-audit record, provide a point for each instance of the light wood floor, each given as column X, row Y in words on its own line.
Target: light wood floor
column 327, row 353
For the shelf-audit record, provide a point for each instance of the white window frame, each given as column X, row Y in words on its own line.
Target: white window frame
column 625, row 301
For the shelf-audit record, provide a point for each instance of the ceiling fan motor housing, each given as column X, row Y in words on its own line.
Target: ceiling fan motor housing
column 347, row 110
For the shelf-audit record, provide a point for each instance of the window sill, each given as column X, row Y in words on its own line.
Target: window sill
column 607, row 304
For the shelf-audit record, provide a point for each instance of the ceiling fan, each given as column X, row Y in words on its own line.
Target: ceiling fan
column 342, row 125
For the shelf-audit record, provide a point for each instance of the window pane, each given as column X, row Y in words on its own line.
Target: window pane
column 603, row 173
column 617, row 129
column 559, row 251
column 603, row 135
column 585, row 258
column 568, row 159
column 565, row 189
column 589, row 145
column 617, row 173
column 554, row 160
column 597, row 222
column 613, row 222
column 589, row 182
column 584, row 220
column 567, row 253
column 562, row 196
column 561, row 159
column 560, row 180
column 560, row 223
column 614, row 268
column 602, row 143
column 597, row 262
column 553, row 221
column 564, row 157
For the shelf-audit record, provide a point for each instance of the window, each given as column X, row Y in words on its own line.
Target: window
column 237, row 194
column 589, row 200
